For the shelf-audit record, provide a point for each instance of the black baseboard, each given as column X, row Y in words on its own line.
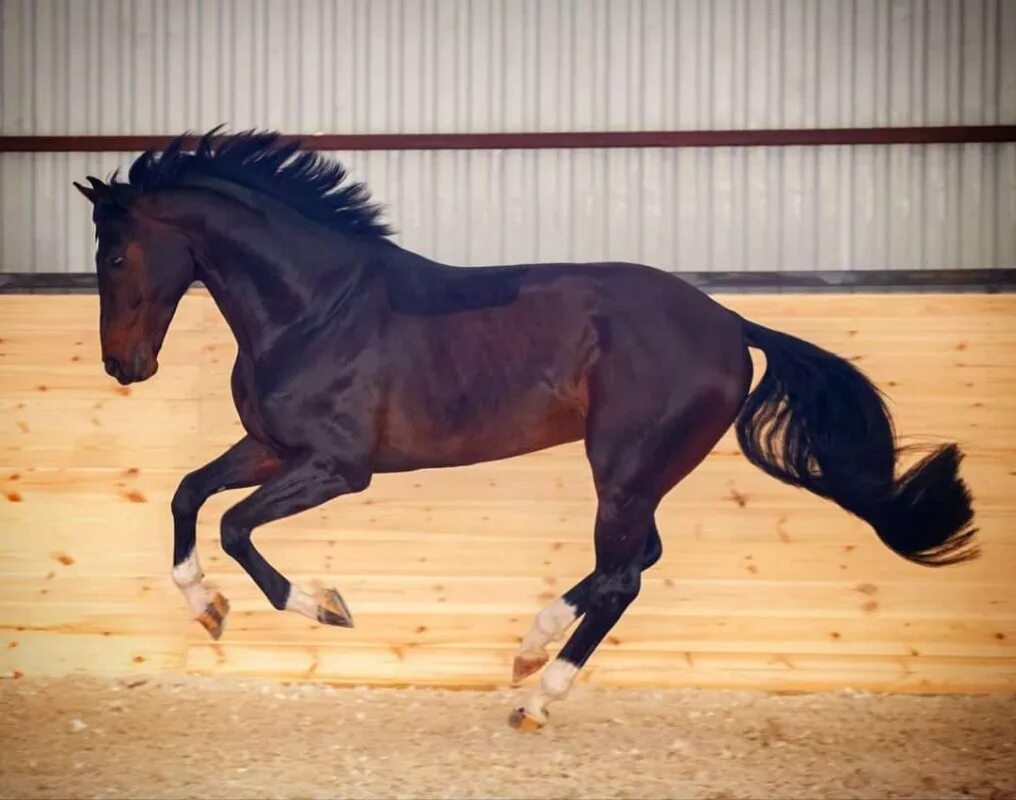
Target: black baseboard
column 904, row 280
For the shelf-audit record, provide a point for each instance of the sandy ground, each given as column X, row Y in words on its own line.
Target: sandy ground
column 215, row 738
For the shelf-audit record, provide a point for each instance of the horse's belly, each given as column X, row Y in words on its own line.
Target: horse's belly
column 462, row 434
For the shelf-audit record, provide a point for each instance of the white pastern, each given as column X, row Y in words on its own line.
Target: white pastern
column 187, row 576
column 301, row 602
column 549, row 625
column 555, row 682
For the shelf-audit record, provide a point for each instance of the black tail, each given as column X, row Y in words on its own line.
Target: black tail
column 816, row 421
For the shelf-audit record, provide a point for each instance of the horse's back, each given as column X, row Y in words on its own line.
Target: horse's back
column 487, row 363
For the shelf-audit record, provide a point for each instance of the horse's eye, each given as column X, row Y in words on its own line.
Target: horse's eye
column 116, row 262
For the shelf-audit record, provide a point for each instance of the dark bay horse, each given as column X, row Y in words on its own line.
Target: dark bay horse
column 357, row 356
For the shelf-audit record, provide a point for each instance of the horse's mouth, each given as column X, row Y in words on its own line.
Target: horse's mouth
column 136, row 373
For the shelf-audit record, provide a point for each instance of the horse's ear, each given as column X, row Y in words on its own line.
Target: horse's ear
column 87, row 192
column 98, row 188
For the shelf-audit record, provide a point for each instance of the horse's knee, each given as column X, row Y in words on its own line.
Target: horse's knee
column 234, row 535
column 188, row 497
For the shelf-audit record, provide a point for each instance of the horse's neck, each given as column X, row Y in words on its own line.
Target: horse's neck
column 266, row 282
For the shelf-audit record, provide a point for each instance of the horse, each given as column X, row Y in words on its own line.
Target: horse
column 357, row 356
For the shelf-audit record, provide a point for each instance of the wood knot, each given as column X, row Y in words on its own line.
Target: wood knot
column 738, row 497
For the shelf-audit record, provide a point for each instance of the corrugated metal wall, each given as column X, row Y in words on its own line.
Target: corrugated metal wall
column 93, row 67
column 124, row 66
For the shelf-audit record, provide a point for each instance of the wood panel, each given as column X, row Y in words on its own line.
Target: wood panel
column 760, row 585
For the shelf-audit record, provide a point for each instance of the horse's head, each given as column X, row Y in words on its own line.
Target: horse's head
column 144, row 267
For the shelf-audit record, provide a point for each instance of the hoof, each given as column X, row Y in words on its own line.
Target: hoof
column 332, row 609
column 523, row 722
column 213, row 618
column 526, row 664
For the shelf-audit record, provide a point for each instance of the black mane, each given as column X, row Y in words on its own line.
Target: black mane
column 313, row 184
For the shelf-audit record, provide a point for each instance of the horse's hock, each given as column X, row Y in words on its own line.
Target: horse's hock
column 761, row 586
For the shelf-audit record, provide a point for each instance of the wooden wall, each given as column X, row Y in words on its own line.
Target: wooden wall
column 760, row 585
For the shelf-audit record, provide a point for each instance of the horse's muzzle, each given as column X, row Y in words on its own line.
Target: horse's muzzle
column 138, row 369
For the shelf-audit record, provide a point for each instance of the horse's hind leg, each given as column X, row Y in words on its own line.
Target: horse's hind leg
column 555, row 619
column 632, row 473
column 623, row 520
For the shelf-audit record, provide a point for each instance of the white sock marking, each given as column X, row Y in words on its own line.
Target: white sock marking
column 301, row 602
column 552, row 621
column 555, row 682
column 187, row 576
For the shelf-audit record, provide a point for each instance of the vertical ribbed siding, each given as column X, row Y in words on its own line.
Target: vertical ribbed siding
column 153, row 66
column 828, row 208
column 160, row 66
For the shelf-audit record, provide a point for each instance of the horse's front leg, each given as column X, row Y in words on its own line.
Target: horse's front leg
column 247, row 463
column 302, row 483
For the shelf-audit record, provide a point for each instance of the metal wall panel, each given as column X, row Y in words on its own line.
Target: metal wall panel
column 360, row 66
column 794, row 208
column 161, row 66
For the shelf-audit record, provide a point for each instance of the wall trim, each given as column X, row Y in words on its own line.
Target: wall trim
column 781, row 137
column 842, row 281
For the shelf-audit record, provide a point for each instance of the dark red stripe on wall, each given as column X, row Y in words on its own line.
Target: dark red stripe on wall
column 563, row 140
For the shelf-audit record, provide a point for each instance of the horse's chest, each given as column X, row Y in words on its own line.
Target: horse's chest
column 254, row 414
column 304, row 403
